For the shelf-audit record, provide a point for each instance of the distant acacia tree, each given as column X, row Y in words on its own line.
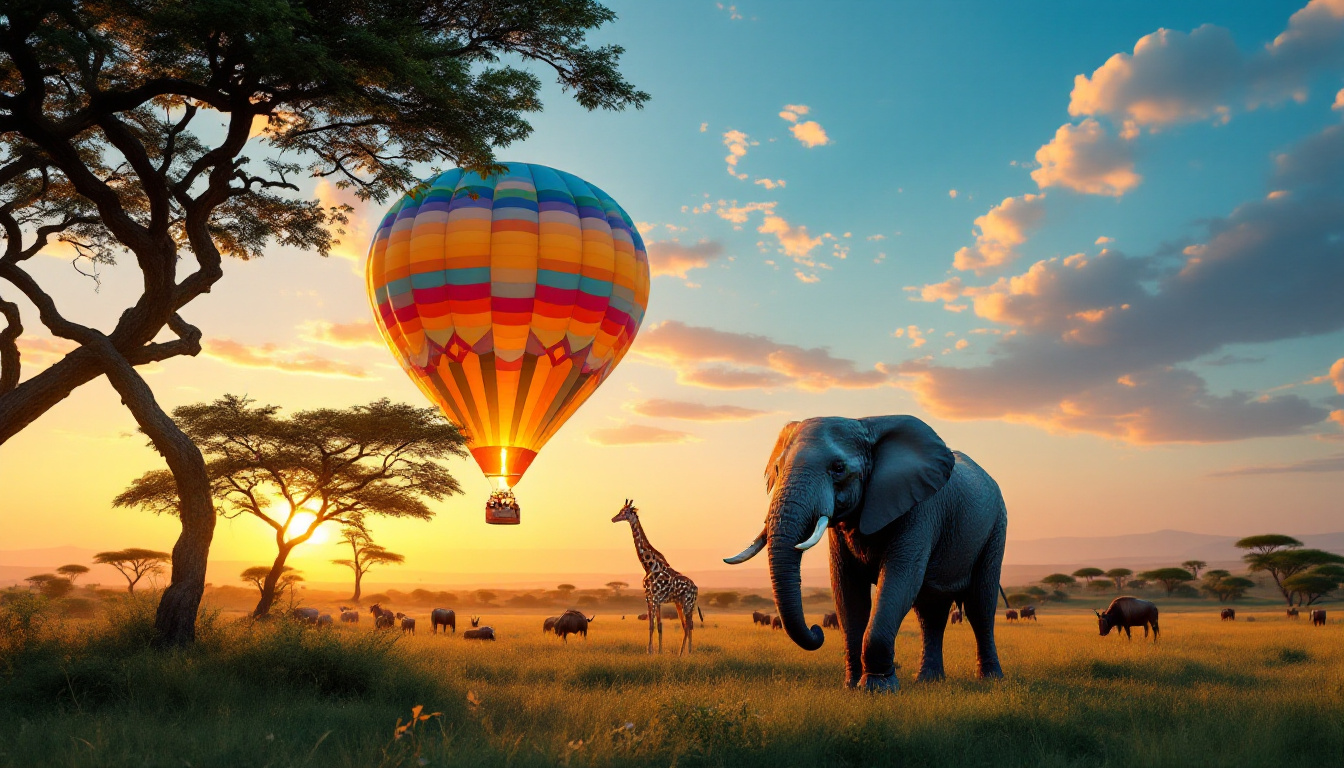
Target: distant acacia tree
column 336, row 465
column 1169, row 578
column 364, row 555
column 485, row 596
column 1059, row 580
column 1194, row 566
column 134, row 563
column 1224, row 586
column 1119, row 576
column 1088, row 574
column 1282, row 558
column 566, row 590
column 722, row 599
column 257, row 574
column 616, row 587
column 73, row 571
column 50, row 585
column 99, row 106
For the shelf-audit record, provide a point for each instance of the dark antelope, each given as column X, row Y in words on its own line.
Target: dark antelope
column 1126, row 612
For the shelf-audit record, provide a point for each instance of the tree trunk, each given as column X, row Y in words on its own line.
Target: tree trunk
column 175, row 619
column 358, row 578
column 268, row 586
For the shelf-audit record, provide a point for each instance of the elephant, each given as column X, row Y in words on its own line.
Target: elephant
column 925, row 524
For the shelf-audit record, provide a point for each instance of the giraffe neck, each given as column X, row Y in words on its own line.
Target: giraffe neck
column 649, row 557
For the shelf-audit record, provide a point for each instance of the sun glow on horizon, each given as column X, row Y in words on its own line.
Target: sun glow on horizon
column 300, row 524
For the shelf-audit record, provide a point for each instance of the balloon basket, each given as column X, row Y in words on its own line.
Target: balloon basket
column 502, row 509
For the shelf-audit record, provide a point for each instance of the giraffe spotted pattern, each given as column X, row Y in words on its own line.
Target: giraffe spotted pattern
column 662, row 583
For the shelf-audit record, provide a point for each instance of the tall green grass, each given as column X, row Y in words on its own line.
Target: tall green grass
column 92, row 693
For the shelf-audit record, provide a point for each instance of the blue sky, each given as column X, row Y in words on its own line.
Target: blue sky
column 1143, row 337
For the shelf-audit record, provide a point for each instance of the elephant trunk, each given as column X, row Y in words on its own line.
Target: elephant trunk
column 786, row 578
column 785, row 562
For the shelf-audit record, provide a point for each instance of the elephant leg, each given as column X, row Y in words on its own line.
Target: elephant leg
column 897, row 585
column 982, row 601
column 853, row 605
column 931, row 609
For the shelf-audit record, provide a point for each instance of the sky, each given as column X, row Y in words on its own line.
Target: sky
column 1099, row 248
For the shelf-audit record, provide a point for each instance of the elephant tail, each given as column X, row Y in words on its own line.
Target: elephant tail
column 1006, row 604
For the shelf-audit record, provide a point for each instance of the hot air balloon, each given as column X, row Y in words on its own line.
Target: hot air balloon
column 508, row 299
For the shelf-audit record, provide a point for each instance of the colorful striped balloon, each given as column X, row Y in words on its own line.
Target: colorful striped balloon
column 508, row 299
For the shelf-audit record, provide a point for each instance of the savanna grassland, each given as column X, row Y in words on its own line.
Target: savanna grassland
column 92, row 693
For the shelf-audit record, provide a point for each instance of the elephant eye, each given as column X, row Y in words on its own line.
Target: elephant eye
column 838, row 468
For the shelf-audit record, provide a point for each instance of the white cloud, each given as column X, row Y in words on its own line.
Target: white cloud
column 672, row 258
column 809, row 132
column 737, row 143
column 639, row 434
column 1002, row 229
column 912, row 333
column 770, row 183
column 952, row 193
column 1086, row 159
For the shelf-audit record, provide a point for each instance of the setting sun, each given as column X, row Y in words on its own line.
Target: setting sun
column 300, row 524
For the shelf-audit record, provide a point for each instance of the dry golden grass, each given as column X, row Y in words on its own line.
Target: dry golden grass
column 1209, row 693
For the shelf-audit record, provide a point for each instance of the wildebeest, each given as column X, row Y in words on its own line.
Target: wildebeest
column 442, row 617
column 382, row 618
column 1317, row 617
column 776, row 623
column 484, row 633
column 1010, row 614
column 324, row 620
column 548, row 625
column 306, row 615
column 1229, row 614
column 956, row 615
column 1028, row 612
column 1126, row 612
column 407, row 623
column 760, row 618
column 830, row 620
column 572, row 622
column 1292, row 613
column 349, row 617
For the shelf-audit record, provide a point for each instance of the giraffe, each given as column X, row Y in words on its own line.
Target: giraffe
column 662, row 583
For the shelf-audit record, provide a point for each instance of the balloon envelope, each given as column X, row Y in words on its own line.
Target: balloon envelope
column 508, row 299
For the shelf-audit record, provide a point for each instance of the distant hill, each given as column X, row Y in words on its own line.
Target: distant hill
column 1026, row 560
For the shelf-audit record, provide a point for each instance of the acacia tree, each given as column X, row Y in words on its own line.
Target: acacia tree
column 1059, row 580
column 1088, row 574
column 134, row 563
column 1194, row 566
column 1119, row 576
column 364, row 555
column 1170, row 578
column 73, row 571
column 616, row 587
column 338, row 465
column 256, row 576
column 99, row 109
column 1282, row 558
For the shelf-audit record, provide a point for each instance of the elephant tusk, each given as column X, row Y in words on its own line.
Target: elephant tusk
column 748, row 553
column 816, row 534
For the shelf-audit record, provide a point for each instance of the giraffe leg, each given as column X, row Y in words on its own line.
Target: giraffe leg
column 660, row 627
column 685, row 634
column 653, row 607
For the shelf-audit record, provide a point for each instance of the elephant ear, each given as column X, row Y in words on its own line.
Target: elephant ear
column 786, row 436
column 910, row 463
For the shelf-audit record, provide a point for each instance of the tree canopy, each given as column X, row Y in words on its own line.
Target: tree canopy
column 1283, row 564
column 364, row 555
column 1170, row 578
column 1194, row 566
column 337, row 465
column 134, row 563
column 73, row 571
column 1059, row 580
column 1266, row 543
column 1088, row 574
column 111, row 143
